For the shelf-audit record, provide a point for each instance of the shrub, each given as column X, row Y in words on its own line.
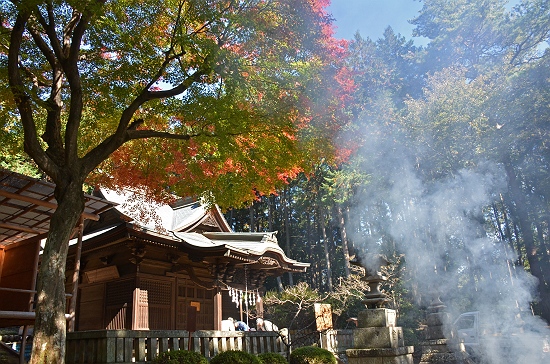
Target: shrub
column 235, row 357
column 293, row 307
column 272, row 358
column 312, row 355
column 180, row 357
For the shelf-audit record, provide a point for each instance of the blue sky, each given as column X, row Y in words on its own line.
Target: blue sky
column 372, row 17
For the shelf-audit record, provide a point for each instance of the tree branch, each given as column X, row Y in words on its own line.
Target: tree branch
column 22, row 99
column 112, row 143
column 144, row 134
column 52, row 135
column 125, row 132
column 179, row 89
column 49, row 28
column 69, row 28
column 42, row 45
column 72, row 50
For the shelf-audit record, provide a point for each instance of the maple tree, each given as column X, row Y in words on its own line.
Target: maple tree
column 224, row 99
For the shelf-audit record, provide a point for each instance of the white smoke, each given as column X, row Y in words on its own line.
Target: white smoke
column 450, row 253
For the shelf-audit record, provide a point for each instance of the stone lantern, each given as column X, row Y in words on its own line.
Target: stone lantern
column 374, row 298
column 437, row 349
column 377, row 339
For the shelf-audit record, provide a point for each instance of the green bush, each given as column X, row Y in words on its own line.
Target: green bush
column 312, row 355
column 235, row 357
column 272, row 358
column 180, row 357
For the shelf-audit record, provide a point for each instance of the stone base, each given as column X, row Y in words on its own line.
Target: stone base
column 442, row 346
column 401, row 355
column 436, row 332
column 378, row 337
column 443, row 351
column 445, row 358
column 438, row 319
column 376, row 317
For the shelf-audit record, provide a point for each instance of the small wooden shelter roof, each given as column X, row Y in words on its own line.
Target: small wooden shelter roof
column 27, row 205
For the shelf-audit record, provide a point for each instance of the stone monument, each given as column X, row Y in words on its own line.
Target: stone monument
column 437, row 349
column 377, row 339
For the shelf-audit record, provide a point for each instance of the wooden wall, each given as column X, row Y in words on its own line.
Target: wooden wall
column 90, row 315
column 188, row 293
column 160, row 298
column 116, row 294
column 163, row 302
column 17, row 271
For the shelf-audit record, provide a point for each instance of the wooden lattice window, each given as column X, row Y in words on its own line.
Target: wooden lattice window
column 159, row 295
column 118, row 298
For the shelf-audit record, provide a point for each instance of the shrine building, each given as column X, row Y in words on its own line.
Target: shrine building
column 136, row 264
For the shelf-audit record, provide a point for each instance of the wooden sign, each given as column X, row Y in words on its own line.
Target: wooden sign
column 195, row 304
column 323, row 316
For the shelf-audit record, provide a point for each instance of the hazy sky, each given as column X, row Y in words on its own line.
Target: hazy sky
column 372, row 17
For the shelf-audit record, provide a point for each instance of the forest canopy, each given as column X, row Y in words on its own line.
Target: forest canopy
column 435, row 156
column 223, row 100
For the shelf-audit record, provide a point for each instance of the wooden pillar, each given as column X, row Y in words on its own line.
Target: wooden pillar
column 218, row 309
column 35, row 272
column 260, row 305
column 76, row 276
column 241, row 317
column 2, row 255
column 140, row 310
column 31, row 301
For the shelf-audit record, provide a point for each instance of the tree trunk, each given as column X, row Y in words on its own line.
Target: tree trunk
column 325, row 247
column 287, row 230
column 508, row 246
column 543, row 249
column 50, row 324
column 344, row 236
column 309, row 245
column 515, row 247
column 251, row 217
column 270, row 203
column 271, row 206
column 547, row 220
column 529, row 242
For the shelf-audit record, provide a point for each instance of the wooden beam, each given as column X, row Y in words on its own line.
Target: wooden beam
column 18, row 290
column 35, row 239
column 9, row 226
column 218, row 312
column 35, row 201
column 43, row 203
column 17, row 315
column 23, row 315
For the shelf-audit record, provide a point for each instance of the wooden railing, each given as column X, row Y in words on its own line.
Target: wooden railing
column 142, row 346
column 337, row 341
column 131, row 346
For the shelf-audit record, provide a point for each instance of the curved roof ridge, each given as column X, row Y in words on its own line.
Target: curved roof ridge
column 248, row 244
column 183, row 214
